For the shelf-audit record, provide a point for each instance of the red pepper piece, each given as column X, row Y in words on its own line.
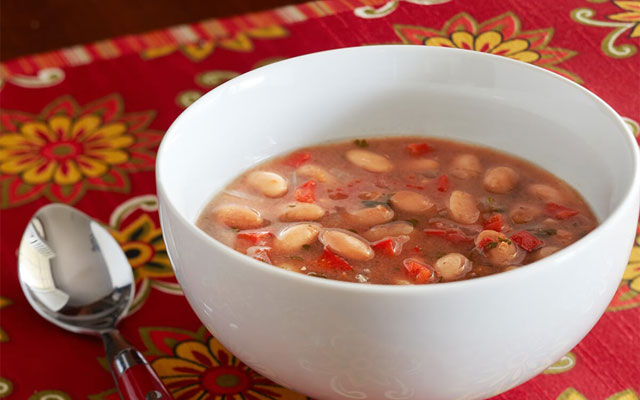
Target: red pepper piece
column 333, row 261
column 260, row 253
column 493, row 223
column 424, row 276
column 418, row 149
column 306, row 193
column 415, row 186
column 526, row 240
column 297, row 159
column 452, row 235
column 560, row 212
column 436, row 232
column 385, row 246
column 422, row 273
column 413, row 267
column 256, row 238
column 443, row 183
column 390, row 246
column 456, row 236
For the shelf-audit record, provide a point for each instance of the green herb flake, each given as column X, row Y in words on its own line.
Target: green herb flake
column 361, row 143
column 491, row 200
column 491, row 245
column 504, row 240
column 298, row 258
column 306, row 246
column 544, row 233
column 235, row 229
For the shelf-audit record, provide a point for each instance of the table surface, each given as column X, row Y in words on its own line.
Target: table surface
column 81, row 126
column 33, row 26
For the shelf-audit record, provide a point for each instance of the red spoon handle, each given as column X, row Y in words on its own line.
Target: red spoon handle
column 140, row 382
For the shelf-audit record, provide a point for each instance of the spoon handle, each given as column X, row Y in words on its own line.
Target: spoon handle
column 139, row 381
column 134, row 376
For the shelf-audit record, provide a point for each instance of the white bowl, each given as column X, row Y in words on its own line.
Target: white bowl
column 459, row 340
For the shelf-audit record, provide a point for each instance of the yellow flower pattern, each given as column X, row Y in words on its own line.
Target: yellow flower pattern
column 68, row 149
column 501, row 35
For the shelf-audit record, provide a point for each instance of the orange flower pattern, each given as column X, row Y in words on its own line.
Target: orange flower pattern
column 67, row 149
column 501, row 35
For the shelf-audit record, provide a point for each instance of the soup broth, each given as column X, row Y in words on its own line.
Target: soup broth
column 400, row 210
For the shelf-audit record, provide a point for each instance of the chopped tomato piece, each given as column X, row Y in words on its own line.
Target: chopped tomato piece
column 560, row 212
column 493, row 223
column 418, row 149
column 333, row 261
column 390, row 246
column 297, row 159
column 260, row 253
column 452, row 235
column 424, row 276
column 443, row 183
column 306, row 193
column 385, row 247
column 526, row 240
column 257, row 238
column 421, row 272
column 413, row 267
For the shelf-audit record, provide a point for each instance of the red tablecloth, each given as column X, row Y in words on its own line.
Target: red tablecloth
column 81, row 126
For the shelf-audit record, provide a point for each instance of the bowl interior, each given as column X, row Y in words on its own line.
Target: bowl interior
column 397, row 90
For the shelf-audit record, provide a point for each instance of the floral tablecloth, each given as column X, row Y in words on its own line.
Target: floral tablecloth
column 81, row 126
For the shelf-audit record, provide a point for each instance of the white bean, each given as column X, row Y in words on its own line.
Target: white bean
column 369, row 160
column 501, row 251
column 543, row 252
column 564, row 236
column 346, row 245
column 411, row 202
column 269, row 184
column 391, row 229
column 239, row 217
column 422, row 165
column 316, row 172
column 523, row 213
column 288, row 266
column 371, row 215
column 500, row 180
column 302, row 212
column 452, row 266
column 292, row 238
column 544, row 192
column 463, row 208
column 466, row 166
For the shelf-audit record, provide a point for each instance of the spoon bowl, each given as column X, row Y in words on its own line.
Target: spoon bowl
column 76, row 276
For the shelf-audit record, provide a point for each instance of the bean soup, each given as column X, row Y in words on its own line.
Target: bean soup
column 401, row 210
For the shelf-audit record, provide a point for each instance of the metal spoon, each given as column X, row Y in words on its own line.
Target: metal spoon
column 75, row 275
